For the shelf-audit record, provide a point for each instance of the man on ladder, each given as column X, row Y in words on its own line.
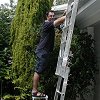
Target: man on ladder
column 46, row 44
column 44, row 48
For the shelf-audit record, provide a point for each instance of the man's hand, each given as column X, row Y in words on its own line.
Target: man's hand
column 59, row 21
column 65, row 11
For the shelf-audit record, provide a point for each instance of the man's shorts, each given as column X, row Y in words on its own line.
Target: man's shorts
column 42, row 59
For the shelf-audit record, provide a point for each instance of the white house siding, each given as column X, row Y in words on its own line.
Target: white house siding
column 89, row 18
column 94, row 30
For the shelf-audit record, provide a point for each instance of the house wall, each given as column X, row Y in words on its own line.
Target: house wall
column 94, row 30
column 97, row 52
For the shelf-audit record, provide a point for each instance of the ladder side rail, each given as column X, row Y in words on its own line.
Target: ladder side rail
column 64, row 36
column 73, row 16
column 65, row 84
column 57, row 88
column 60, row 69
column 72, row 21
column 62, row 50
column 59, row 65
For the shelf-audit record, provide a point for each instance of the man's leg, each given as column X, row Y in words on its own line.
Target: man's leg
column 35, row 92
column 36, row 78
column 40, row 67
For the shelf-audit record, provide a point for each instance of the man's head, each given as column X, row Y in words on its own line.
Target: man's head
column 50, row 15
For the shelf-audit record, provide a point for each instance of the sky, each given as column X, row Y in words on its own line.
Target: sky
column 6, row 1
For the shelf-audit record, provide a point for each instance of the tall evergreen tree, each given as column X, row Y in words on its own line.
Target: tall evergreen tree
column 6, row 16
column 24, row 31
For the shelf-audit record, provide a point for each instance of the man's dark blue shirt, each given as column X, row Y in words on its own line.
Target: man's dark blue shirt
column 47, row 37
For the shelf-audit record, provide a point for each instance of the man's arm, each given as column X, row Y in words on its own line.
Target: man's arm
column 59, row 21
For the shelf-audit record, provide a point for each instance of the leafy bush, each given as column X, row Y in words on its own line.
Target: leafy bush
column 81, row 80
column 83, row 66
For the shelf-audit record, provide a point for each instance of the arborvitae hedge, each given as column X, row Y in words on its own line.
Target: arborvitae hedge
column 24, row 31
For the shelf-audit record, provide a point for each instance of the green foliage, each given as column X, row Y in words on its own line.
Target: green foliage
column 24, row 32
column 82, row 67
column 6, row 16
column 8, row 97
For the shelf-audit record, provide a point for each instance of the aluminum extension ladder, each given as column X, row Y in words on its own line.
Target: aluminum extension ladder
column 63, row 68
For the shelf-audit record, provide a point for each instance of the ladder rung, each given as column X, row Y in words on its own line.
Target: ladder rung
column 66, row 28
column 70, row 2
column 59, row 92
column 70, row 8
